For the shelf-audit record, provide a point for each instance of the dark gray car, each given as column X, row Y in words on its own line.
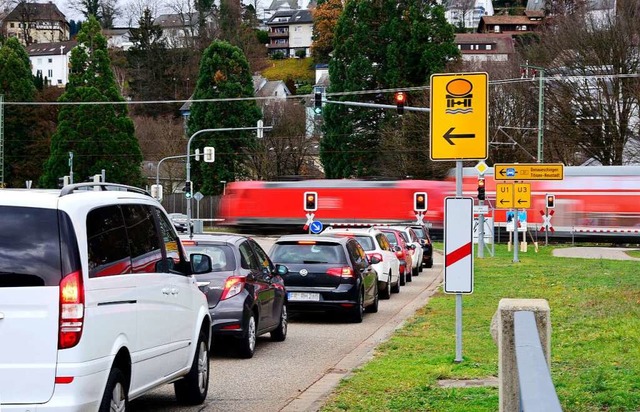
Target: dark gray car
column 246, row 296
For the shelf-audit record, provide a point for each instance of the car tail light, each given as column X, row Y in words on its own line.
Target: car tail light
column 189, row 243
column 378, row 255
column 306, row 242
column 233, row 286
column 71, row 310
column 400, row 254
column 345, row 272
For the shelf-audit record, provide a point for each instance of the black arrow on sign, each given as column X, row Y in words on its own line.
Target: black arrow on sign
column 502, row 201
column 449, row 135
column 502, row 172
column 521, row 201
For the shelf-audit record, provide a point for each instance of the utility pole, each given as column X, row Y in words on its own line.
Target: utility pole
column 539, row 71
column 1, row 140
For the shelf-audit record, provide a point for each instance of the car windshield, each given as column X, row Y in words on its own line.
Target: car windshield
column 222, row 257
column 294, row 252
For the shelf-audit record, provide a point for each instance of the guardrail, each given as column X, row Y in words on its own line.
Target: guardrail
column 522, row 330
column 537, row 392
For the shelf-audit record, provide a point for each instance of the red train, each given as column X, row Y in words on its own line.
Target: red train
column 589, row 200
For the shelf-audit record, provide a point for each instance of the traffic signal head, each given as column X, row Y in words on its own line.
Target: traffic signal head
column 188, row 189
column 551, row 201
column 317, row 102
column 310, row 201
column 401, row 99
column 481, row 189
column 420, row 201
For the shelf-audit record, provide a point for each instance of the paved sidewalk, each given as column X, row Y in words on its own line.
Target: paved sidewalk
column 614, row 253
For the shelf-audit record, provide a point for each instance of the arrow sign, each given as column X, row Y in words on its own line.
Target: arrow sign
column 449, row 135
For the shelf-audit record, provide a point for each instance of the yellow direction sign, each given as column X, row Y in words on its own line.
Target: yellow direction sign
column 459, row 126
column 528, row 171
column 513, row 196
column 504, row 195
column 522, row 195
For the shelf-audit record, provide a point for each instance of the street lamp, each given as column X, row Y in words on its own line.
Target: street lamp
column 540, row 72
column 224, row 187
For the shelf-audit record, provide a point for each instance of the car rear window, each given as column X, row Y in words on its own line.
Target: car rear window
column 419, row 232
column 391, row 238
column 222, row 259
column 317, row 252
column 30, row 247
column 366, row 242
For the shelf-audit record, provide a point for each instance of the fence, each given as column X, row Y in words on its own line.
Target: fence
column 207, row 208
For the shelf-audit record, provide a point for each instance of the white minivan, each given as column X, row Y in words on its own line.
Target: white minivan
column 98, row 304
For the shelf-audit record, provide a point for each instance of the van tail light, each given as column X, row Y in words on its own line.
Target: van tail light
column 345, row 272
column 378, row 255
column 71, row 310
column 233, row 286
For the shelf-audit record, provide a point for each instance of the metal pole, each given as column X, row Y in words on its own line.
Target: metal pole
column 223, row 129
column 71, row 167
column 515, row 236
column 481, row 231
column 541, row 116
column 546, row 229
column 458, row 358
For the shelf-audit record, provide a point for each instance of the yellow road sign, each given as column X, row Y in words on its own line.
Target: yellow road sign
column 522, row 195
column 528, row 171
column 504, row 195
column 459, row 126
column 513, row 196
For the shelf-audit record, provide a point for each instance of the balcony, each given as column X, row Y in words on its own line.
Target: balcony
column 279, row 33
column 279, row 45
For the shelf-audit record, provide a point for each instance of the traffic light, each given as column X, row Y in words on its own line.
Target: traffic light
column 401, row 99
column 310, row 201
column 317, row 102
column 156, row 192
column 420, row 201
column 551, row 201
column 481, row 191
column 209, row 154
column 188, row 189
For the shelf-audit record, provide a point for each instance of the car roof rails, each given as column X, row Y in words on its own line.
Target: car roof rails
column 86, row 186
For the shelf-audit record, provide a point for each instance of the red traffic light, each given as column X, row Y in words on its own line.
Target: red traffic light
column 310, row 201
column 401, row 98
column 420, row 201
column 551, row 201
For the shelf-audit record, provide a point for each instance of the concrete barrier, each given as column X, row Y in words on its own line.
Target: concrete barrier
column 502, row 330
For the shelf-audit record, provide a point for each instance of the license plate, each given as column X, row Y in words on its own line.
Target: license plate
column 304, row 296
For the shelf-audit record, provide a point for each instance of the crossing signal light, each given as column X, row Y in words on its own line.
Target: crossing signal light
column 317, row 102
column 188, row 189
column 551, row 201
column 401, row 99
column 481, row 189
column 420, row 202
column 310, row 201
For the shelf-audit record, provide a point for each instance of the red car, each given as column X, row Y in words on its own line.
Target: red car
column 404, row 252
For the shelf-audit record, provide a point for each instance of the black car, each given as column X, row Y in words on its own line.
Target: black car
column 425, row 240
column 324, row 273
column 246, row 296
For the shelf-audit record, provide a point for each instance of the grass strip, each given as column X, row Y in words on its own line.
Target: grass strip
column 595, row 344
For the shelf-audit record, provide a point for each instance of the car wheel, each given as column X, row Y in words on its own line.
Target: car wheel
column 280, row 333
column 193, row 388
column 248, row 341
column 409, row 276
column 357, row 312
column 430, row 263
column 386, row 293
column 403, row 279
column 115, row 397
column 415, row 271
column 395, row 288
column 373, row 308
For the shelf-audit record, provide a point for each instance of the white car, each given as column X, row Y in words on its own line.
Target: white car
column 412, row 239
column 375, row 243
column 98, row 304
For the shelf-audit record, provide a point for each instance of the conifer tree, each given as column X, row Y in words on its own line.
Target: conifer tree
column 100, row 135
column 224, row 74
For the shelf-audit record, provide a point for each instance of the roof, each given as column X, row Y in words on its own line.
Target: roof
column 50, row 49
column 277, row 4
column 115, row 31
column 36, row 11
column 293, row 17
column 177, row 20
column 506, row 19
column 535, row 5
column 504, row 42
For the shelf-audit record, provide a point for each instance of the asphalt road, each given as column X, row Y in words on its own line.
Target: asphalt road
column 297, row 374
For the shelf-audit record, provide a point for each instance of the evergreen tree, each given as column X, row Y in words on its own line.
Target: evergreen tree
column 378, row 45
column 224, row 74
column 101, row 136
column 148, row 62
column 16, row 84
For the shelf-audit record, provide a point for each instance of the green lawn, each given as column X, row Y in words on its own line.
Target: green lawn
column 595, row 320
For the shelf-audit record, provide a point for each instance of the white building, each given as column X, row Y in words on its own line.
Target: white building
column 467, row 12
column 51, row 60
column 290, row 33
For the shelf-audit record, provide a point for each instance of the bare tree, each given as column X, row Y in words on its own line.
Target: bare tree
column 134, row 10
column 465, row 7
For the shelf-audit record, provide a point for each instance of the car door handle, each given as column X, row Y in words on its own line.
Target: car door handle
column 165, row 291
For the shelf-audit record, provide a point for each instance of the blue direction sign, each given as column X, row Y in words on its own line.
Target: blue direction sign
column 315, row 226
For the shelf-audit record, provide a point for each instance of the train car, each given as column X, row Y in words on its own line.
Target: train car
column 279, row 205
column 591, row 201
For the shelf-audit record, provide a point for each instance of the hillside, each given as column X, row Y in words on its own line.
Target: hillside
column 295, row 72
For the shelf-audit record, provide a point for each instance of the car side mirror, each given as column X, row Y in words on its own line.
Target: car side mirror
column 374, row 260
column 422, row 242
column 200, row 263
column 282, row 270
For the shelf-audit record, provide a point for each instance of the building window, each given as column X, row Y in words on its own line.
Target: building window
column 12, row 25
column 487, row 47
column 50, row 60
column 496, row 28
column 50, row 73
